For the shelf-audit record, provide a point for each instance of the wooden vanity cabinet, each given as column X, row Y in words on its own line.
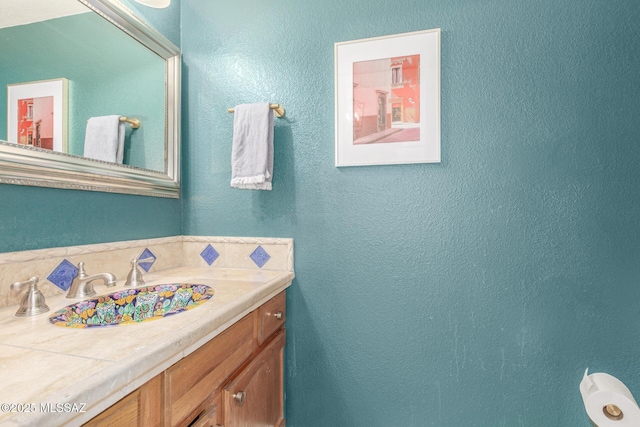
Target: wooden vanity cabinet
column 234, row 380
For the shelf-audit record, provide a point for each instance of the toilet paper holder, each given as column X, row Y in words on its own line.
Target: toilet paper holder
column 608, row 401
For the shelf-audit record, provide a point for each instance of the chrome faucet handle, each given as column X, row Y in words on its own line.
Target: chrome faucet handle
column 81, row 273
column 33, row 301
column 134, row 278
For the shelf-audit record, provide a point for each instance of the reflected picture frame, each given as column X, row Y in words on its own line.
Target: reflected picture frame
column 387, row 100
column 37, row 114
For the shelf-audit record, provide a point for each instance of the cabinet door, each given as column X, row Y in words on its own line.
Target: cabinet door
column 255, row 396
column 191, row 381
column 140, row 408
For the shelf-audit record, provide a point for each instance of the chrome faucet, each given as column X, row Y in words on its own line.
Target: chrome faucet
column 82, row 285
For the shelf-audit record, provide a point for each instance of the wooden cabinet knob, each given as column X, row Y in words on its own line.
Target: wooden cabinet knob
column 278, row 315
column 239, row 397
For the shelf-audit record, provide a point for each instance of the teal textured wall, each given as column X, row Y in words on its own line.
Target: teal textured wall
column 34, row 218
column 473, row 292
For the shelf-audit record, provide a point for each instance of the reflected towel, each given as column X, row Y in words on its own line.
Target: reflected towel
column 104, row 139
column 252, row 151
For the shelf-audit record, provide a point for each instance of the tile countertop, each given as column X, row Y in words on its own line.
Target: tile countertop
column 93, row 368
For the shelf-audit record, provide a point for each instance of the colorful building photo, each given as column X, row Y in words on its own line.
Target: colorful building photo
column 35, row 122
column 386, row 100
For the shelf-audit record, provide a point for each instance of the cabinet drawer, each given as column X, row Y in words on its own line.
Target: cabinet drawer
column 191, row 381
column 208, row 418
column 271, row 316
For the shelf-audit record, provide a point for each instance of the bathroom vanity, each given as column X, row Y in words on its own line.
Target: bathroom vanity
column 220, row 363
column 236, row 379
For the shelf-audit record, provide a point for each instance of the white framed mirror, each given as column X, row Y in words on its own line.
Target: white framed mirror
column 106, row 62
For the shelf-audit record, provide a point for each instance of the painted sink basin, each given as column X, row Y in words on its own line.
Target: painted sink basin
column 132, row 306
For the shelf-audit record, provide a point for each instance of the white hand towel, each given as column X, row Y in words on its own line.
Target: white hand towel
column 104, row 139
column 252, row 151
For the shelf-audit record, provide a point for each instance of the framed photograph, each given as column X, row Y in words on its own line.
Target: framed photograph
column 388, row 99
column 37, row 114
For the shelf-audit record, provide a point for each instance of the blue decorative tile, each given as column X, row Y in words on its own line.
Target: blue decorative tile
column 146, row 266
column 63, row 275
column 209, row 254
column 260, row 256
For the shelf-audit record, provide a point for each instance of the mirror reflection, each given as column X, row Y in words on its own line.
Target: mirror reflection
column 71, row 82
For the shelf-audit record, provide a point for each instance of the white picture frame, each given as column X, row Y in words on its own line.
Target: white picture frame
column 44, row 125
column 387, row 100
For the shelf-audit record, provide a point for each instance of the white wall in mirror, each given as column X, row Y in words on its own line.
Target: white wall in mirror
column 20, row 12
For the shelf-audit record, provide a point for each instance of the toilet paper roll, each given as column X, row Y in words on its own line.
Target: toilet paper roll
column 608, row 402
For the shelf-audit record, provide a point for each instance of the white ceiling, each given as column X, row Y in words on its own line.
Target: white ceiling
column 20, row 12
